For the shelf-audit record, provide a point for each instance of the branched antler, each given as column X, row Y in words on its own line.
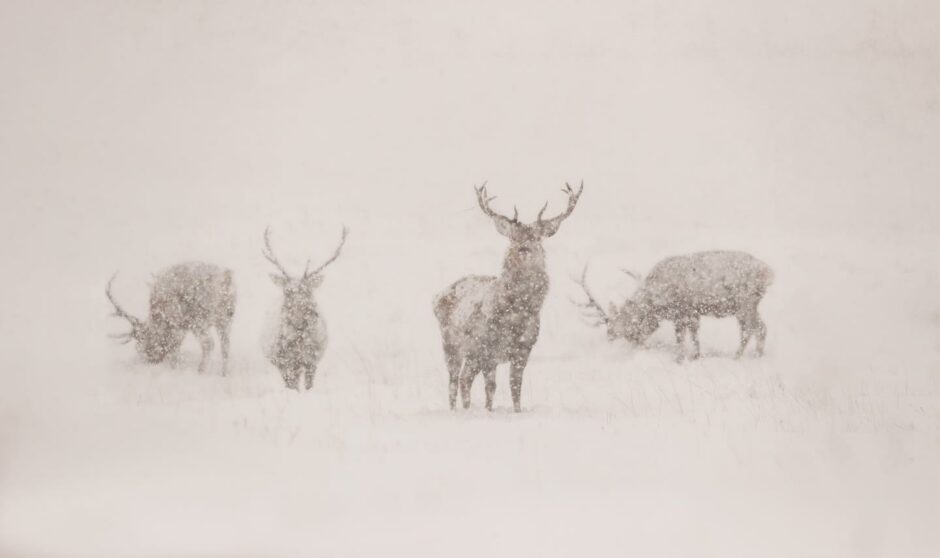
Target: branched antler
column 268, row 253
column 123, row 338
column 550, row 226
column 118, row 311
column 636, row 276
column 342, row 242
column 591, row 303
column 484, row 202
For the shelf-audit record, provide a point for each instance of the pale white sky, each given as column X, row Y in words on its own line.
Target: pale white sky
column 800, row 113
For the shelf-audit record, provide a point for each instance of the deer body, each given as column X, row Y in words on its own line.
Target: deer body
column 302, row 337
column 486, row 321
column 682, row 289
column 189, row 297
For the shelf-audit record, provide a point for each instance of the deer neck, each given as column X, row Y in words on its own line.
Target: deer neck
column 302, row 317
column 523, row 280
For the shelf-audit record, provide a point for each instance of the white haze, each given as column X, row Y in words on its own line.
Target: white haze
column 134, row 135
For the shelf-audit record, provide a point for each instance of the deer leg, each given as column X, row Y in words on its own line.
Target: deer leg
column 744, row 323
column 489, row 374
column 295, row 379
column 696, row 348
column 516, row 368
column 206, row 343
column 290, row 379
column 470, row 370
column 761, row 328
column 174, row 358
column 224, row 331
column 454, row 363
column 309, row 372
column 680, row 339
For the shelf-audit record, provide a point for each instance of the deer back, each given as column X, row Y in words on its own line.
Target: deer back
column 192, row 295
column 716, row 283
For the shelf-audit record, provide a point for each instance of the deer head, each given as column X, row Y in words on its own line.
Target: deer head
column 299, row 304
column 526, row 240
column 154, row 341
column 634, row 321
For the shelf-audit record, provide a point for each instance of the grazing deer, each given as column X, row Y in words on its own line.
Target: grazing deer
column 486, row 321
column 188, row 297
column 682, row 289
column 301, row 339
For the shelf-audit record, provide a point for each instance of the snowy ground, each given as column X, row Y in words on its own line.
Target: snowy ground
column 827, row 446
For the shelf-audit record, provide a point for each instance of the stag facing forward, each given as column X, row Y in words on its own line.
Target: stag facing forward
column 682, row 289
column 302, row 337
column 188, row 297
column 486, row 321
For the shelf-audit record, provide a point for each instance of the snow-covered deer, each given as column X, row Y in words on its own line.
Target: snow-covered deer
column 301, row 337
column 486, row 321
column 188, row 297
column 682, row 289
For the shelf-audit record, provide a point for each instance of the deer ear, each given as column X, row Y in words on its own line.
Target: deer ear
column 313, row 281
column 503, row 226
column 549, row 228
column 278, row 280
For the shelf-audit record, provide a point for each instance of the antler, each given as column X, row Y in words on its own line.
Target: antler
column 636, row 276
column 268, row 253
column 551, row 225
column 123, row 338
column 342, row 241
column 118, row 311
column 484, row 202
column 592, row 303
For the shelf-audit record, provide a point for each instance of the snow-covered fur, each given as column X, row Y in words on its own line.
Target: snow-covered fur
column 302, row 338
column 486, row 321
column 682, row 289
column 188, row 297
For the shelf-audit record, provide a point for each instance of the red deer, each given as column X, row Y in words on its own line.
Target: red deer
column 682, row 289
column 188, row 297
column 486, row 321
column 301, row 339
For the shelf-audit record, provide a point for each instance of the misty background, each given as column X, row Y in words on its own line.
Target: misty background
column 137, row 133
column 134, row 135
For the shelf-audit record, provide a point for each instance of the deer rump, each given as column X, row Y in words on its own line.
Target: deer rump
column 717, row 284
column 474, row 322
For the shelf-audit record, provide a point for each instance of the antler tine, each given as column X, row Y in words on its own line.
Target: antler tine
column 118, row 311
column 268, row 253
column 541, row 211
column 572, row 202
column 591, row 303
column 636, row 276
column 484, row 202
column 342, row 242
column 123, row 338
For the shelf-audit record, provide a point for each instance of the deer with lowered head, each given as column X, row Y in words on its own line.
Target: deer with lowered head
column 189, row 297
column 682, row 289
column 301, row 337
column 486, row 321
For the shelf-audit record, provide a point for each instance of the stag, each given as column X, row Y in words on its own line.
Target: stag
column 682, row 289
column 301, row 339
column 486, row 321
column 188, row 297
